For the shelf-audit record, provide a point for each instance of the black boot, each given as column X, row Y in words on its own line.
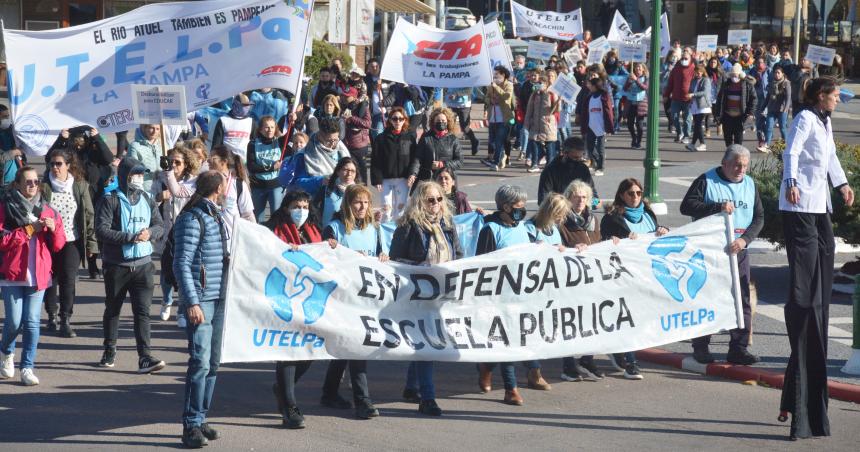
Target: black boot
column 474, row 141
column 53, row 324
column 93, row 266
column 66, row 329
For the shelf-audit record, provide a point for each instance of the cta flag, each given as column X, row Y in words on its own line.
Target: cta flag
column 526, row 302
column 82, row 75
column 528, row 22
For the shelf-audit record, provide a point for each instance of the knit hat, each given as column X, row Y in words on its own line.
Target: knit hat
column 737, row 69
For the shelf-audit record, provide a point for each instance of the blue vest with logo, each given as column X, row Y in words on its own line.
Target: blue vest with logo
column 330, row 205
column 363, row 240
column 267, row 155
column 553, row 238
column 133, row 219
column 742, row 194
column 644, row 226
column 507, row 236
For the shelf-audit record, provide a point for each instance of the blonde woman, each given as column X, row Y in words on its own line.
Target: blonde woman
column 425, row 235
column 329, row 108
column 354, row 228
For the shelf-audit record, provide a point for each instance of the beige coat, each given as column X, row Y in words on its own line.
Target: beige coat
column 502, row 97
column 540, row 117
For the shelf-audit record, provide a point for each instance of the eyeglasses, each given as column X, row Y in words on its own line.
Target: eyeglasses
column 435, row 200
column 397, row 119
column 57, row 164
column 31, row 182
column 348, row 170
column 635, row 193
column 331, row 142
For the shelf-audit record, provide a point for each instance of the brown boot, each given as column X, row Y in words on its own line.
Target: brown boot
column 513, row 397
column 536, row 381
column 485, row 378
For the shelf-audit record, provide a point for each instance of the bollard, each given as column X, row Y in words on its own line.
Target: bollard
column 852, row 366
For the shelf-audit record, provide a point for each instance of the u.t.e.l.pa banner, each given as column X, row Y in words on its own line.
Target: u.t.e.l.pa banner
column 531, row 301
column 562, row 26
column 428, row 56
column 216, row 48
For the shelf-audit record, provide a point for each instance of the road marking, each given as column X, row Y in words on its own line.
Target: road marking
column 848, row 320
column 682, row 181
column 775, row 312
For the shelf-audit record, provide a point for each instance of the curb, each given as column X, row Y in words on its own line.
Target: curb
column 842, row 391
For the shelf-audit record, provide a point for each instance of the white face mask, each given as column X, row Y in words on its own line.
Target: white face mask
column 735, row 79
column 299, row 216
column 135, row 182
column 498, row 79
column 5, row 123
column 685, row 62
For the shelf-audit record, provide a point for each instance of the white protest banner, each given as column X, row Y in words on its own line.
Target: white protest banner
column 566, row 88
column 562, row 26
column 337, row 21
column 80, row 75
column 632, row 51
column 739, row 37
column 597, row 48
column 439, row 58
column 159, row 104
column 540, row 50
column 499, row 52
column 620, row 32
column 526, row 302
column 706, row 43
column 361, row 22
column 572, row 56
column 820, row 55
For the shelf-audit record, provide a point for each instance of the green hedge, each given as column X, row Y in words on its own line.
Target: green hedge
column 323, row 54
column 768, row 174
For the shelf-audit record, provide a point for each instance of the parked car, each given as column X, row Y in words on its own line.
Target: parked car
column 505, row 18
column 457, row 18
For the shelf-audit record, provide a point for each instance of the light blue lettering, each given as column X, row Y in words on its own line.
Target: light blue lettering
column 15, row 97
column 277, row 28
column 235, row 34
column 285, row 339
column 259, row 342
column 123, row 61
column 73, row 73
column 182, row 53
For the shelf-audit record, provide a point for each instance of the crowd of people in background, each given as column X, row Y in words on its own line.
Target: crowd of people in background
column 307, row 174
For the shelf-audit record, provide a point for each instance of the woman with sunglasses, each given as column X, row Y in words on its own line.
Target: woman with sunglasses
column 627, row 217
column 68, row 192
column 392, row 154
column 425, row 235
column 32, row 232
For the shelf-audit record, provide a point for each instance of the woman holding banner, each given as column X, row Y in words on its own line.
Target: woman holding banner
column 353, row 227
column 425, row 235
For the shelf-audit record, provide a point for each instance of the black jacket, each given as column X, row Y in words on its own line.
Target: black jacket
column 430, row 148
column 694, row 205
column 410, row 243
column 95, row 158
column 255, row 168
column 560, row 173
column 613, row 225
column 391, row 156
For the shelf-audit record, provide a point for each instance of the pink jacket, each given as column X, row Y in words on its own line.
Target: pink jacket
column 15, row 249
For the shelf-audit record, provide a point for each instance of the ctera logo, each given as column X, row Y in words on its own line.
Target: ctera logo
column 315, row 294
column 451, row 50
column 276, row 70
column 671, row 271
column 202, row 91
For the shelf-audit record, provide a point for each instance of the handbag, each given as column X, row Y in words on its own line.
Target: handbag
column 642, row 108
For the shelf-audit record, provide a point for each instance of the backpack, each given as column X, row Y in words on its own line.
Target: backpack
column 169, row 252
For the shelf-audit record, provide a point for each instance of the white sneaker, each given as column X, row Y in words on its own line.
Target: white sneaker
column 7, row 366
column 701, row 148
column 598, row 172
column 180, row 321
column 28, row 377
column 165, row 312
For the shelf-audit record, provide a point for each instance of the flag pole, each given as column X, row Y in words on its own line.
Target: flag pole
column 298, row 91
column 652, row 155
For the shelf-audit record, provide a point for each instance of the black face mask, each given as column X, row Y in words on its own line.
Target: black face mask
column 440, row 126
column 518, row 214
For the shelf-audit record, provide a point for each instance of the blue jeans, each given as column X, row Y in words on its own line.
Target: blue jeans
column 538, row 149
column 419, row 377
column 780, row 116
column 377, row 125
column 595, row 146
column 533, row 364
column 23, row 307
column 681, row 113
column 509, row 374
column 618, row 114
column 498, row 135
column 761, row 126
column 204, row 350
column 261, row 196
column 522, row 136
column 166, row 291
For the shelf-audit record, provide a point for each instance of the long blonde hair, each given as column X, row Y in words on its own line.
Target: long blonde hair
column 416, row 209
column 350, row 195
column 552, row 207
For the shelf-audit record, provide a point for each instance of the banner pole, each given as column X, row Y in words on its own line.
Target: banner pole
column 298, row 91
column 736, row 278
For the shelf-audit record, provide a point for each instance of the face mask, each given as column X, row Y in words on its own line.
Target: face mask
column 5, row 123
column 685, row 62
column 538, row 86
column 611, row 61
column 135, row 182
column 440, row 126
column 299, row 216
column 518, row 214
column 735, row 79
column 498, row 80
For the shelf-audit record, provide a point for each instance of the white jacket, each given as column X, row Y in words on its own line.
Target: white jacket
column 809, row 158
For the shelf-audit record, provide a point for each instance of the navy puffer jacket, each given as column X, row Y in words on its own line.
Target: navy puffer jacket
column 189, row 252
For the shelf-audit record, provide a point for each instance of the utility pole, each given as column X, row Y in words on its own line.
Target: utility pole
column 652, row 154
column 797, row 16
column 822, row 12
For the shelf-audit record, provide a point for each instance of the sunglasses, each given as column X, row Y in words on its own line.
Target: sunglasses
column 634, row 193
column 435, row 200
column 57, row 164
column 177, row 162
column 397, row 119
column 31, row 182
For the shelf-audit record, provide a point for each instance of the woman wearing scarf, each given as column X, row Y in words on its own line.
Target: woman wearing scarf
column 425, row 235
column 296, row 224
column 317, row 162
column 32, row 232
column 628, row 216
column 438, row 148
column 328, row 200
column 392, row 154
column 67, row 192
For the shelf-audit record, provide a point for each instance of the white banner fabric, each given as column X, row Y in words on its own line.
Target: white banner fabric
column 706, row 43
column 337, row 21
column 820, row 55
column 500, row 53
column 540, row 50
column 361, row 22
column 620, row 32
column 159, row 104
column 632, row 51
column 562, row 26
column 526, row 302
column 80, row 75
column 425, row 56
column 739, row 37
column 566, row 88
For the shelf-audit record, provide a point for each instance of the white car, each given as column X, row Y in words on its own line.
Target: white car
column 457, row 18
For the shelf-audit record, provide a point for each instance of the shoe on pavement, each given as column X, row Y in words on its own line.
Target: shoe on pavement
column 364, row 409
column 701, row 148
column 513, row 397
column 632, row 372
column 536, row 381
column 108, row 358
column 53, row 324
column 210, row 433
column 192, row 438
column 485, row 378
column 411, row 396
column 528, row 163
column 7, row 366
column 148, row 364
column 496, row 168
column 617, row 361
column 571, row 375
column 165, row 312
column 598, row 172
column 533, row 169
column 430, row 408
column 690, row 147
column 293, row 418
column 742, row 357
column 28, row 378
column 475, row 144
column 488, row 162
column 66, row 329
column 180, row 321
column 685, row 140
column 677, row 138
column 503, row 161
column 703, row 355
column 337, row 402
column 589, row 370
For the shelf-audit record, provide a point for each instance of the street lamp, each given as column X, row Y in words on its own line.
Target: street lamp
column 652, row 154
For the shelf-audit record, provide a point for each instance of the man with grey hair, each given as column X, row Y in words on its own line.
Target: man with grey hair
column 727, row 188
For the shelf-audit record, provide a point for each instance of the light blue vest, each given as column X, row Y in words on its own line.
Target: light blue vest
column 644, row 226
column 267, row 154
column 133, row 219
column 539, row 236
column 742, row 194
column 507, row 236
column 362, row 240
column 330, row 205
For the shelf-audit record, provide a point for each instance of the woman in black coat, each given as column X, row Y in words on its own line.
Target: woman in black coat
column 390, row 161
column 439, row 148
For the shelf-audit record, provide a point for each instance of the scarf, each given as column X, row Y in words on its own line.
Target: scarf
column 320, row 160
column 441, row 134
column 289, row 233
column 19, row 210
column 634, row 214
column 59, row 186
column 438, row 250
column 585, row 221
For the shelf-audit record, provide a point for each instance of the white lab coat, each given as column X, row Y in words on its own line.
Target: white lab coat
column 809, row 158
